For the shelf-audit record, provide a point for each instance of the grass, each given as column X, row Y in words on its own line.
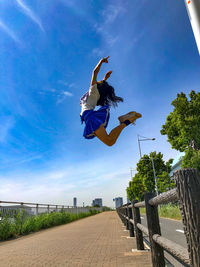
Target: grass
column 168, row 211
column 21, row 224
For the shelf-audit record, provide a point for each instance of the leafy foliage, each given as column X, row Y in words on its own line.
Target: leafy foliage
column 145, row 169
column 182, row 126
column 164, row 182
column 105, row 208
column 136, row 188
column 191, row 159
column 144, row 179
column 171, row 211
column 22, row 224
column 5, row 228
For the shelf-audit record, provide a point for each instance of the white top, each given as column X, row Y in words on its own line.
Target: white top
column 90, row 99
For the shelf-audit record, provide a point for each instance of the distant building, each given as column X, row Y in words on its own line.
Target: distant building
column 118, row 202
column 75, row 202
column 97, row 201
column 176, row 164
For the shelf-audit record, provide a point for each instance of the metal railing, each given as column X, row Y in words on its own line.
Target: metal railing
column 187, row 194
column 11, row 207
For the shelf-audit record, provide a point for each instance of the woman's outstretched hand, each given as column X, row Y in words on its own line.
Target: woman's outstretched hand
column 105, row 59
column 96, row 70
column 107, row 75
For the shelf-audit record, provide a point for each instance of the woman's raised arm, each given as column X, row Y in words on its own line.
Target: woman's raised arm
column 96, row 70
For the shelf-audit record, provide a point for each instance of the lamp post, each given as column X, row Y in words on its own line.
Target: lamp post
column 143, row 139
column 154, row 172
column 131, row 170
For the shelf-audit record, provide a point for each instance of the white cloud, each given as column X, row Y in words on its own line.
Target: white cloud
column 56, row 175
column 97, row 52
column 109, row 15
column 7, row 123
column 111, row 40
column 62, row 96
column 9, row 32
column 30, row 14
column 63, row 82
column 66, row 93
column 70, row 85
column 34, row 192
column 112, row 12
column 60, row 184
column 52, row 90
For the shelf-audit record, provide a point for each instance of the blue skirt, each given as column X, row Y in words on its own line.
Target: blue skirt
column 93, row 120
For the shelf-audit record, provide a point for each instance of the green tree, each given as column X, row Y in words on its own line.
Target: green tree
column 165, row 182
column 182, row 126
column 135, row 190
column 144, row 178
column 191, row 159
column 145, row 169
column 129, row 191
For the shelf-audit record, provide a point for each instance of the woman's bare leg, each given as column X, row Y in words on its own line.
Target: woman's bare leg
column 111, row 138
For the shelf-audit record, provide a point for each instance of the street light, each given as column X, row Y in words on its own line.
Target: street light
column 131, row 169
column 143, row 139
column 154, row 172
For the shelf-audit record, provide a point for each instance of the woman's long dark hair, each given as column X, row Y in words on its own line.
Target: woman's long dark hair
column 107, row 95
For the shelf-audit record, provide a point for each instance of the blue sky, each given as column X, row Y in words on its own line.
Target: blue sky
column 48, row 50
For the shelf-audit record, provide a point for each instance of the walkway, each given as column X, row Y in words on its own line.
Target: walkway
column 98, row 240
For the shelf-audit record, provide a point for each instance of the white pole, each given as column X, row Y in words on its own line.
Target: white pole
column 154, row 173
column 139, row 146
column 193, row 9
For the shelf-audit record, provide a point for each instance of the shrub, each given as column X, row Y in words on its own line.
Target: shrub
column 5, row 228
column 23, row 224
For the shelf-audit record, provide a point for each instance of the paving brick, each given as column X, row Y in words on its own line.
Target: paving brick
column 98, row 241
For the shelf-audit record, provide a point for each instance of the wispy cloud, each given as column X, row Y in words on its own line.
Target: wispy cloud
column 7, row 123
column 63, row 83
column 109, row 15
column 60, row 95
column 63, row 95
column 97, row 52
column 30, row 14
column 70, row 85
column 112, row 12
column 9, row 32
column 66, row 93
column 16, row 162
column 59, row 184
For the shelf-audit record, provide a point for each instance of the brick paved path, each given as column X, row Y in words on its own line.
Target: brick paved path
column 98, row 240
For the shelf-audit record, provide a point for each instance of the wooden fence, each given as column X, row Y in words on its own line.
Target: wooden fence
column 187, row 193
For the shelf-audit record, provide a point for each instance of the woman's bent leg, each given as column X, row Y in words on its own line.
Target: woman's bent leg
column 111, row 138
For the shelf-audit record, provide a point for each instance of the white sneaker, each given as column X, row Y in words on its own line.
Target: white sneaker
column 131, row 116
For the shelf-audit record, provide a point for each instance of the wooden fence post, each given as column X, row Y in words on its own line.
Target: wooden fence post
column 188, row 190
column 120, row 214
column 130, row 216
column 37, row 209
column 157, row 253
column 138, row 232
column 126, row 214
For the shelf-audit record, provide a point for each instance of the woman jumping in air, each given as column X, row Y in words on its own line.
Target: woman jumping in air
column 102, row 94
